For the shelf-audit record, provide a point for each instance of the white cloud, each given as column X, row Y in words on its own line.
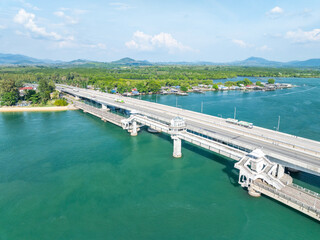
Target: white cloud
column 120, row 6
column 68, row 19
column 2, row 27
column 29, row 5
column 74, row 10
column 28, row 21
column 146, row 42
column 275, row 12
column 73, row 44
column 98, row 45
column 300, row 36
column 59, row 13
column 264, row 48
column 241, row 43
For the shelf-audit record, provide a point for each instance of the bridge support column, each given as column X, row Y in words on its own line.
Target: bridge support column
column 104, row 107
column 134, row 131
column 77, row 98
column 253, row 193
column 176, row 147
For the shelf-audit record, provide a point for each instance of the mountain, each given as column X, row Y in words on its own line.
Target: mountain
column 308, row 63
column 130, row 61
column 257, row 62
column 17, row 59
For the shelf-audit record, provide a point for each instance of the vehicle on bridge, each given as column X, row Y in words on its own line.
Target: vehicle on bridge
column 119, row 100
column 231, row 120
column 245, row 124
column 240, row 123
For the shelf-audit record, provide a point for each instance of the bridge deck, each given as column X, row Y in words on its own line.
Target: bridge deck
column 313, row 147
column 300, row 153
column 100, row 113
column 292, row 195
column 298, row 198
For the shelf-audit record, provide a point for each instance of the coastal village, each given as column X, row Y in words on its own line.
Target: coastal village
column 202, row 88
column 164, row 90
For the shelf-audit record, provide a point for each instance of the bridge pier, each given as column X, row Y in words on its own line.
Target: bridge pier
column 134, row 131
column 253, row 193
column 176, row 147
column 104, row 107
column 177, row 125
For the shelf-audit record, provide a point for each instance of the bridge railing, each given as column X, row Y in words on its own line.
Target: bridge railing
column 317, row 195
column 288, row 198
column 278, row 141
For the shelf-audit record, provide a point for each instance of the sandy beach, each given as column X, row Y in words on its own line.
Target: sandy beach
column 36, row 109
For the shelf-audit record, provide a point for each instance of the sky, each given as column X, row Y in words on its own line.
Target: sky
column 161, row 30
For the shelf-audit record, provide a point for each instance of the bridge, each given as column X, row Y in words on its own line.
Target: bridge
column 261, row 154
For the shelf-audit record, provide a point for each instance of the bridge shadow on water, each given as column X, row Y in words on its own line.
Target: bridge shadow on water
column 302, row 178
column 226, row 162
column 233, row 174
column 307, row 178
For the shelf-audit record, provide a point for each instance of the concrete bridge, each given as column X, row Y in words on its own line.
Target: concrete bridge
column 262, row 154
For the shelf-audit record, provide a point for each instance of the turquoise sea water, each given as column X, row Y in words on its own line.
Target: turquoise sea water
column 68, row 175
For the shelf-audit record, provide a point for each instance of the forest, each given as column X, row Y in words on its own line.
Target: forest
column 143, row 78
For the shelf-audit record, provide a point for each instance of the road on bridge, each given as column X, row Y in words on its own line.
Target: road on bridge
column 292, row 151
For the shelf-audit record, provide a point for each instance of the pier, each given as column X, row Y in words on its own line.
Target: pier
column 261, row 155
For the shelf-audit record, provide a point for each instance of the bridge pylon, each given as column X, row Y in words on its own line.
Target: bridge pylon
column 134, row 131
column 130, row 124
column 104, row 107
column 256, row 166
column 176, row 147
column 177, row 125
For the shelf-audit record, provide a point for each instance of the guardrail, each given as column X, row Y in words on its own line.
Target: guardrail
column 288, row 198
column 202, row 132
column 260, row 136
column 312, row 193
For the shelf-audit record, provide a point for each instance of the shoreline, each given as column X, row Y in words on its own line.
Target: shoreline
column 37, row 109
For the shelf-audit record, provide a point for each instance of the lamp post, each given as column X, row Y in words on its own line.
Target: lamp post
column 201, row 106
column 278, row 124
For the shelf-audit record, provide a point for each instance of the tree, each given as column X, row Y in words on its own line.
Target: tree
column 271, row 81
column 215, row 86
column 258, row 83
column 141, row 86
column 9, row 99
column 61, row 102
column 29, row 94
column 35, row 98
column 8, row 85
column 9, row 93
column 239, row 83
column 184, row 87
column 246, row 82
column 45, row 88
column 122, row 87
column 154, row 86
column 229, row 83
column 55, row 95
